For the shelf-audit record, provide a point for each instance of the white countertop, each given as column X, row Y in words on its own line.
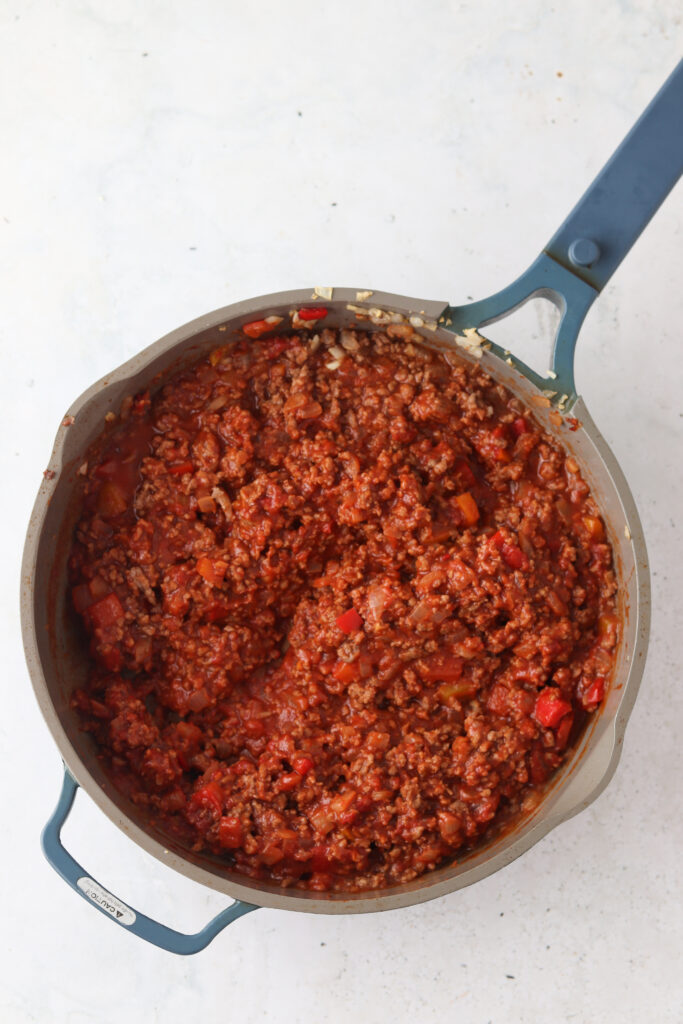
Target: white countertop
column 158, row 164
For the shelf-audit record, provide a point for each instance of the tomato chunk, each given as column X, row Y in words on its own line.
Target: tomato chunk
column 210, row 796
column 550, row 708
column 111, row 500
column 443, row 667
column 349, row 621
column 106, row 612
column 345, row 672
column 230, row 834
column 180, row 468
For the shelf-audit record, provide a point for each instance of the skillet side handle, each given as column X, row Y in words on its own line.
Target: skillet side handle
column 627, row 192
column 144, row 927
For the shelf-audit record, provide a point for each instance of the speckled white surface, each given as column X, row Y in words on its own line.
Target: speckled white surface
column 161, row 159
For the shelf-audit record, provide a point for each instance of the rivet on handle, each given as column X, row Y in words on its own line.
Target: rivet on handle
column 584, row 252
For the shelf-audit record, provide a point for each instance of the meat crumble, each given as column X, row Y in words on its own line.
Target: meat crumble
column 348, row 606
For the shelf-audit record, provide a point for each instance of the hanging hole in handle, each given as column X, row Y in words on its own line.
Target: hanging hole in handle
column 528, row 333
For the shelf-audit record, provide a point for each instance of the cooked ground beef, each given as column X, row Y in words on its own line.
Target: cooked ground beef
column 348, row 606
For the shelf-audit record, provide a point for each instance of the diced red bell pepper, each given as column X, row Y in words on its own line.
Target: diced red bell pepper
column 257, row 328
column 512, row 555
column 180, row 468
column 550, row 708
column 230, row 834
column 594, row 693
column 312, row 313
column 106, row 612
column 210, row 796
column 349, row 621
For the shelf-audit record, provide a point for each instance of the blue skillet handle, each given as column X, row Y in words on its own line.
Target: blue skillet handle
column 79, row 880
column 584, row 253
column 627, row 192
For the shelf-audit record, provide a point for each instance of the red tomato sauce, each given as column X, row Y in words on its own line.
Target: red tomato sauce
column 347, row 604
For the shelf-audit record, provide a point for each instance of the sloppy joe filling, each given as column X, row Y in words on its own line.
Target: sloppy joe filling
column 348, row 606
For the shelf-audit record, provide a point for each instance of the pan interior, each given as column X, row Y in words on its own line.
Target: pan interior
column 58, row 659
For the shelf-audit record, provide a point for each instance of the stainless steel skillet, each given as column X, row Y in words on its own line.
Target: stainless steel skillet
column 571, row 271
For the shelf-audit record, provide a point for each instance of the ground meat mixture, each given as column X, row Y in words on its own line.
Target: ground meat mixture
column 348, row 606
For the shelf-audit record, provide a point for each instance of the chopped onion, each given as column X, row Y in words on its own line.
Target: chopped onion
column 295, row 401
column 422, row 612
column 348, row 341
column 218, row 402
column 378, row 599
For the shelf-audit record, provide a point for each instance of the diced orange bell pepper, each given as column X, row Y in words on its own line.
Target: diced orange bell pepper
column 212, row 570
column 468, row 507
